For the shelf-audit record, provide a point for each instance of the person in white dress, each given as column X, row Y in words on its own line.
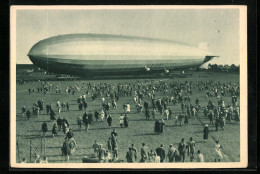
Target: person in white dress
column 127, row 108
column 218, row 149
column 200, row 157
column 121, row 120
column 102, row 114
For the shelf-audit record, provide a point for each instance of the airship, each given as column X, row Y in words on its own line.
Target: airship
column 114, row 55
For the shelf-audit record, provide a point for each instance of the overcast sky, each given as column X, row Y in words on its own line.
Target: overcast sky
column 217, row 29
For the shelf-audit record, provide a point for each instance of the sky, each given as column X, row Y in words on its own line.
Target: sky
column 214, row 29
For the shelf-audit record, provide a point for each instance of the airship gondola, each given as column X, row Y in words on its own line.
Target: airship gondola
column 101, row 55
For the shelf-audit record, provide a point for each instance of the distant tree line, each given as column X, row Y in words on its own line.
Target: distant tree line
column 223, row 68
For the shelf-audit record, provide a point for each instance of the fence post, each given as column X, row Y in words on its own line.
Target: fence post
column 18, row 151
column 41, row 146
column 30, row 150
column 44, row 146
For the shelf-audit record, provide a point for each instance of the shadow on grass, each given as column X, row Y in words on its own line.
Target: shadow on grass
column 146, row 134
column 101, row 128
column 43, row 121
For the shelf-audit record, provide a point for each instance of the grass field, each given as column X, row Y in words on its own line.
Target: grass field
column 139, row 129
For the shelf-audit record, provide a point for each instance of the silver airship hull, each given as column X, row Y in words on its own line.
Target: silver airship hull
column 98, row 54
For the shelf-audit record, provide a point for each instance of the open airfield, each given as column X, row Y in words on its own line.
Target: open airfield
column 139, row 130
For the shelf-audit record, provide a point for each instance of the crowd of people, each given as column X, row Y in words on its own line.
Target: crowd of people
column 150, row 98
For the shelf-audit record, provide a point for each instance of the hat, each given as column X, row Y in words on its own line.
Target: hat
column 206, row 125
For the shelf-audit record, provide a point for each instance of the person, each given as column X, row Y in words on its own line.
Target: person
column 127, row 108
column 170, row 113
column 95, row 147
column 109, row 145
column 96, row 115
column 206, row 132
column 54, row 129
column 114, row 133
column 102, row 115
column 186, row 119
column 126, row 121
column 109, row 120
column 44, row 128
column 68, row 106
column 180, row 119
column 37, row 159
column 45, row 160
column 130, row 156
column 59, row 123
column 157, row 126
column 162, row 125
column 218, row 149
column 101, row 153
column 171, row 153
column 133, row 148
column 23, row 160
column 90, row 117
column 28, row 114
column 147, row 114
column 66, row 121
column 107, row 156
column 176, row 120
column 79, row 120
column 121, row 120
column 200, row 157
column 23, row 110
column 161, row 153
column 114, row 147
column 191, row 149
column 70, row 134
column 157, row 158
column 182, row 149
column 151, row 156
column 144, row 153
column 68, row 148
column 166, row 114
column 153, row 113
column 52, row 114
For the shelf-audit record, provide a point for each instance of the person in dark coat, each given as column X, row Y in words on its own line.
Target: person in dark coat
column 59, row 123
column 66, row 121
column 70, row 134
column 48, row 108
column 96, row 115
column 182, row 149
column 157, row 126
column 109, row 120
column 114, row 133
column 23, row 110
column 206, row 132
column 85, row 105
column 52, row 114
column 144, row 153
column 90, row 117
column 44, row 128
column 131, row 156
column 162, row 125
column 126, row 120
column 109, row 145
column 68, row 106
column 170, row 114
column 54, row 129
column 147, row 114
column 160, row 152
column 28, row 114
column 186, row 119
